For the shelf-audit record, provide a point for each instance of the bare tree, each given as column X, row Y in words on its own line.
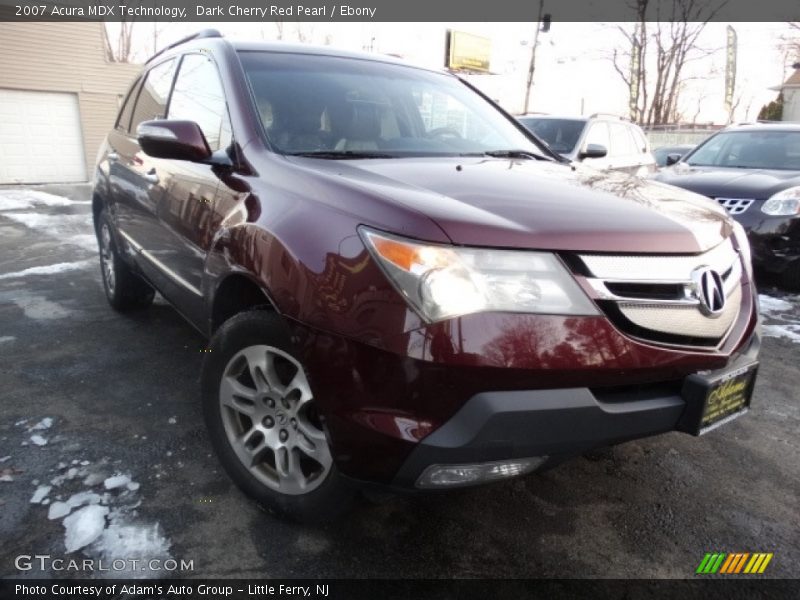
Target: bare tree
column 662, row 42
column 790, row 43
column 119, row 49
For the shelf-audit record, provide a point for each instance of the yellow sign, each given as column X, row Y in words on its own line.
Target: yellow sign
column 467, row 52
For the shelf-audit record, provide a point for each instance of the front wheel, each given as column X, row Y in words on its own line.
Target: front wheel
column 263, row 420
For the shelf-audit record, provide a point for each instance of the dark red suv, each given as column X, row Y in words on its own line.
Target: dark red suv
column 402, row 287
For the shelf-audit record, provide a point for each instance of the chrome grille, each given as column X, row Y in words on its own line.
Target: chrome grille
column 736, row 206
column 657, row 298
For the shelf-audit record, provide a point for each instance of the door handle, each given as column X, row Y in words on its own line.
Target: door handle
column 112, row 157
column 151, row 176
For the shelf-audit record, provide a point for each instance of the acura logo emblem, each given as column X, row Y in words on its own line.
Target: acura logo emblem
column 709, row 290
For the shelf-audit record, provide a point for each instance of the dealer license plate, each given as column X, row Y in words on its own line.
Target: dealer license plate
column 717, row 399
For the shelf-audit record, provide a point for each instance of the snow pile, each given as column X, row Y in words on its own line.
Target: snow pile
column 84, row 526
column 51, row 269
column 782, row 318
column 117, row 481
column 124, row 540
column 100, row 515
column 770, row 305
column 70, row 229
column 38, row 440
column 40, row 494
column 45, row 423
column 58, row 510
column 27, row 199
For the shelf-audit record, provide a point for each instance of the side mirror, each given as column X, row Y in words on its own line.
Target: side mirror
column 593, row 151
column 672, row 159
column 178, row 140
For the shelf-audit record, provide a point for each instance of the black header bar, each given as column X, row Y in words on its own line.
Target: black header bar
column 397, row 10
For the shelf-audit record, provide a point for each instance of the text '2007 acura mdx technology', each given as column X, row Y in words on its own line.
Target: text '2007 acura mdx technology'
column 404, row 289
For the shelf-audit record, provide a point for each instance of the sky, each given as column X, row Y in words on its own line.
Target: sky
column 574, row 74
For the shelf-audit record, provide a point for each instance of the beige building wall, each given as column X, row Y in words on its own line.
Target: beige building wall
column 67, row 57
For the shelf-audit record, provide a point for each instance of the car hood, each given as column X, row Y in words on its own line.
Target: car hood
column 716, row 182
column 533, row 204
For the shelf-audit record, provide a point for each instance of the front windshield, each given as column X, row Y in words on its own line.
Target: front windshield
column 325, row 105
column 560, row 134
column 756, row 149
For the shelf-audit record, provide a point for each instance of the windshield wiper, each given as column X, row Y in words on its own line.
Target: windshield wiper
column 517, row 154
column 342, row 154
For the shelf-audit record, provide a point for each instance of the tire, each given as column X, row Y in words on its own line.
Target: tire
column 263, row 423
column 790, row 278
column 125, row 290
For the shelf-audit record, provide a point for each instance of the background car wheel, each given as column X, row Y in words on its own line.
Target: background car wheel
column 790, row 278
column 125, row 290
column 263, row 420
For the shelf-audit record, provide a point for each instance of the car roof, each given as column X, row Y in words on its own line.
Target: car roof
column 771, row 126
column 542, row 116
column 316, row 50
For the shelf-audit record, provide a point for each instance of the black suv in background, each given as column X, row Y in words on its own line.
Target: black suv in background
column 753, row 170
column 605, row 142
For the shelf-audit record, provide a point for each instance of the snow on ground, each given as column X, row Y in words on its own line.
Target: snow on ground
column 781, row 317
column 117, row 481
column 27, row 199
column 45, row 423
column 35, row 306
column 38, row 440
column 70, row 229
column 52, row 269
column 770, row 305
column 99, row 513
column 40, row 494
column 125, row 540
column 6, row 338
column 84, row 526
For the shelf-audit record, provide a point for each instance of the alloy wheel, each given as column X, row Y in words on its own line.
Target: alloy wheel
column 270, row 420
column 107, row 258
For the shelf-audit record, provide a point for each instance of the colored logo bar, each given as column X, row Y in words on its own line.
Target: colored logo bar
column 734, row 564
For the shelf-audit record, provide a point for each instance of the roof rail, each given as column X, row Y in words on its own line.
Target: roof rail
column 602, row 114
column 204, row 33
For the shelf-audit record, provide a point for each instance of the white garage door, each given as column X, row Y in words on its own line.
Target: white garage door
column 40, row 138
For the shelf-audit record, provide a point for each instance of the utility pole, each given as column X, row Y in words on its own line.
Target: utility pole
column 532, row 66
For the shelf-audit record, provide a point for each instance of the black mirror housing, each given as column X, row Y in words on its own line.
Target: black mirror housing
column 593, row 151
column 177, row 140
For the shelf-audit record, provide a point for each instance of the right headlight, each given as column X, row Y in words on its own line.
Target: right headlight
column 783, row 204
column 441, row 282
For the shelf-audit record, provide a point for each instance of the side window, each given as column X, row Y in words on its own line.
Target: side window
column 598, row 134
column 621, row 141
column 639, row 139
column 152, row 102
column 198, row 97
column 124, row 118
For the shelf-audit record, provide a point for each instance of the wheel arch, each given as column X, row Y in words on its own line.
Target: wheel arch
column 234, row 293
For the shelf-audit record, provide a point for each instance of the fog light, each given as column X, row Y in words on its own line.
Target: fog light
column 461, row 475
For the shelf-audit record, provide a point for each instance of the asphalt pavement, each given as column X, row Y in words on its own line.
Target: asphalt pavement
column 87, row 394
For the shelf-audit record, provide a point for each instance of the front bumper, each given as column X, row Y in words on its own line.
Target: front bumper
column 550, row 424
column 493, row 386
column 775, row 241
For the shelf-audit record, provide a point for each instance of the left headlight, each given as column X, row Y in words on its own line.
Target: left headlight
column 744, row 247
column 783, row 204
column 442, row 282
